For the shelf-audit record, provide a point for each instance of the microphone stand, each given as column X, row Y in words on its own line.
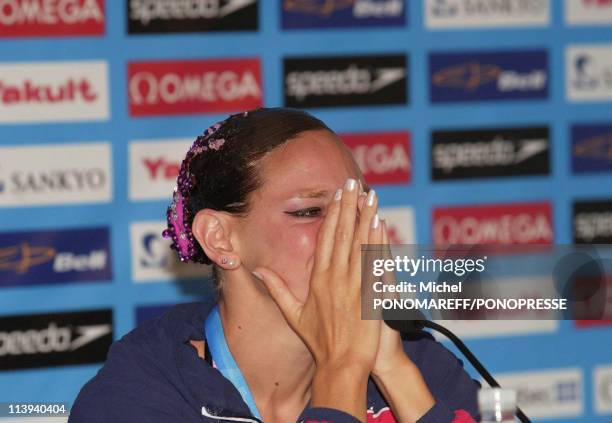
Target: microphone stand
column 410, row 326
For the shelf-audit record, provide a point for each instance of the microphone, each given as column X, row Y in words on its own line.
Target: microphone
column 413, row 326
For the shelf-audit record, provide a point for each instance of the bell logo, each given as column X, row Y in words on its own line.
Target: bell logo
column 206, row 86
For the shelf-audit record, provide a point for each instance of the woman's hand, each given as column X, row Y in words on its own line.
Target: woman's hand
column 329, row 322
column 390, row 349
column 395, row 374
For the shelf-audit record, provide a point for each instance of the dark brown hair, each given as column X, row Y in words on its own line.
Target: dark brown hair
column 225, row 178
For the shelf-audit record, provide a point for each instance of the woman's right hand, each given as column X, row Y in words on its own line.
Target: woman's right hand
column 329, row 321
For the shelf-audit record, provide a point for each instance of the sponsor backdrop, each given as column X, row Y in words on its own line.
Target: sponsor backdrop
column 478, row 121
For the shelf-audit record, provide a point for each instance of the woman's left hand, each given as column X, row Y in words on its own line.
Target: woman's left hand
column 395, row 374
column 390, row 349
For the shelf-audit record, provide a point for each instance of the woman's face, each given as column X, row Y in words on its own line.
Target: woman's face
column 299, row 179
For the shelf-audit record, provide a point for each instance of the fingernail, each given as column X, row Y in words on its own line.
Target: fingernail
column 351, row 184
column 257, row 275
column 375, row 221
column 338, row 194
column 371, row 197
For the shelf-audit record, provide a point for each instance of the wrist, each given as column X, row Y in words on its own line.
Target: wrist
column 343, row 387
column 390, row 366
column 404, row 388
column 341, row 371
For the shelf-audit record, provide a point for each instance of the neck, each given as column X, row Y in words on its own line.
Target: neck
column 276, row 364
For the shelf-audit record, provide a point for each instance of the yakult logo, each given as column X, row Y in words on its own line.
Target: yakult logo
column 53, row 92
column 185, row 87
column 41, row 18
column 528, row 223
column 154, row 166
column 384, row 157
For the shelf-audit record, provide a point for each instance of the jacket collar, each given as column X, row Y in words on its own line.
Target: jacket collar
column 207, row 387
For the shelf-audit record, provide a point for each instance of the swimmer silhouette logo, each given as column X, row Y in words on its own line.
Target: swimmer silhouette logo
column 342, row 13
column 591, row 148
column 60, row 256
column 488, row 75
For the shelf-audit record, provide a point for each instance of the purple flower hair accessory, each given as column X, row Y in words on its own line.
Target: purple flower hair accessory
column 177, row 215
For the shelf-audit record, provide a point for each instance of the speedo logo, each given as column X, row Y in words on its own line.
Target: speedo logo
column 57, row 339
column 321, row 82
column 593, row 222
column 352, row 80
column 51, row 339
column 146, row 11
column 494, row 152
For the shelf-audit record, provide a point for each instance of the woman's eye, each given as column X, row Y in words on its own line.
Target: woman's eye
column 309, row 212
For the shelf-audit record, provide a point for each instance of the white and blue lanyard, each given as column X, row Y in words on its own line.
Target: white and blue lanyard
column 215, row 340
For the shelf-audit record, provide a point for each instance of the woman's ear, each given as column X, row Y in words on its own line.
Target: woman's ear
column 212, row 229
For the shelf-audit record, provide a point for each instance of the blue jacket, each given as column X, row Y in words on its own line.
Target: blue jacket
column 154, row 375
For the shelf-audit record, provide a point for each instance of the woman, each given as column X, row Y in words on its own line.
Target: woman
column 275, row 202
